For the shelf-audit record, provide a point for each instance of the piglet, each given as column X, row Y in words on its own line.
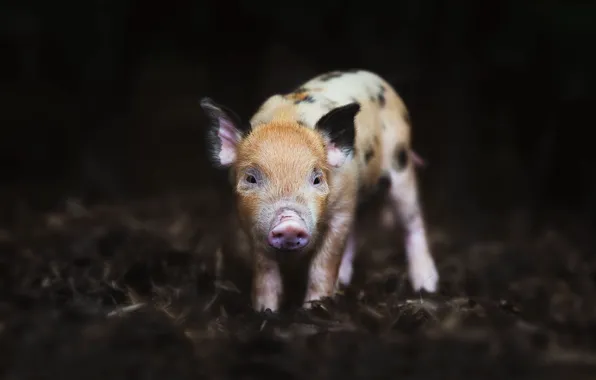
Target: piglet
column 298, row 169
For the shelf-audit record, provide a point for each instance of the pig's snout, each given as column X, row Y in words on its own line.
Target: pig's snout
column 289, row 233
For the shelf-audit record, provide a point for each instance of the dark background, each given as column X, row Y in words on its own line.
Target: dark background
column 100, row 98
column 107, row 201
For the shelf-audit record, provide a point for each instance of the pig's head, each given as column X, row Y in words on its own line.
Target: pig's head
column 281, row 171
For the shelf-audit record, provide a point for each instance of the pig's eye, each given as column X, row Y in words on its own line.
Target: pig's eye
column 252, row 177
column 317, row 178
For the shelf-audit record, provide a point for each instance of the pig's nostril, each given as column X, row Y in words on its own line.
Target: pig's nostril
column 384, row 182
column 288, row 237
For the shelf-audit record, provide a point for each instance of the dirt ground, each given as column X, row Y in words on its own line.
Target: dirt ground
column 129, row 292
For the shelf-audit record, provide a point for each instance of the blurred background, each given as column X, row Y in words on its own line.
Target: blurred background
column 99, row 99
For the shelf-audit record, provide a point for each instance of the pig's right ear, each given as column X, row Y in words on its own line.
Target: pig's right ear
column 338, row 127
column 225, row 130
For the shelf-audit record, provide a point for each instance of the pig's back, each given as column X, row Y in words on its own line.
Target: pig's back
column 335, row 89
column 380, row 124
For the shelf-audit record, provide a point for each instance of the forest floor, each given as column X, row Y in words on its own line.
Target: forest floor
column 128, row 292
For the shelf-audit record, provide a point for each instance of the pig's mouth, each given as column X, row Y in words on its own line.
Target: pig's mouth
column 288, row 232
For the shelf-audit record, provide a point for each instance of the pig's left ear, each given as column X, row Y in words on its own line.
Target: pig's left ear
column 225, row 132
column 338, row 126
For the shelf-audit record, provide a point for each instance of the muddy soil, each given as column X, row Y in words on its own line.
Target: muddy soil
column 129, row 292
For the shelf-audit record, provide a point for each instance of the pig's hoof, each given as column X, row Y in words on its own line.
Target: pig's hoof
column 314, row 299
column 345, row 273
column 269, row 314
column 265, row 311
column 309, row 305
column 423, row 274
column 267, row 306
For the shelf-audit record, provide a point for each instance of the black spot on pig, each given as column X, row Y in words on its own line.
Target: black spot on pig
column 401, row 157
column 307, row 99
column 381, row 96
column 301, row 95
column 407, row 118
column 331, row 75
column 370, row 153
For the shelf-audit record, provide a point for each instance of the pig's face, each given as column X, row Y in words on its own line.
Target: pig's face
column 281, row 172
column 282, row 184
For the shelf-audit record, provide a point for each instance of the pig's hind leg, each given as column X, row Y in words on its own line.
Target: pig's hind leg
column 404, row 196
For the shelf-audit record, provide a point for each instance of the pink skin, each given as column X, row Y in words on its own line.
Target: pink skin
column 418, row 161
column 289, row 232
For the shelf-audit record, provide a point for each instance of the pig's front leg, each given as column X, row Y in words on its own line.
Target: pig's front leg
column 324, row 268
column 346, row 268
column 267, row 284
column 404, row 194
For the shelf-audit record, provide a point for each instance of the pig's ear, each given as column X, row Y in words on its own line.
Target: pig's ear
column 225, row 130
column 338, row 127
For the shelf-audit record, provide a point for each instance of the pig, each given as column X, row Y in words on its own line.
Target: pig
column 299, row 167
